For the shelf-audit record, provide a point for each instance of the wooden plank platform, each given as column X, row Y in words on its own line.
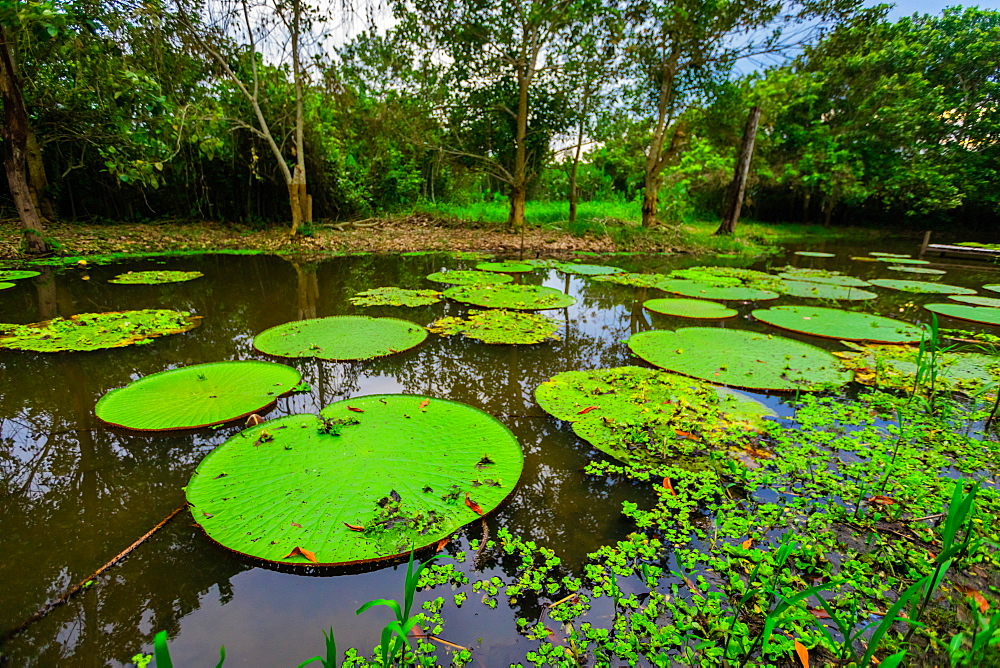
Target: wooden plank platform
column 945, row 250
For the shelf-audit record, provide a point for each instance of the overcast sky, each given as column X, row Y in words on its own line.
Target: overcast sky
column 908, row 7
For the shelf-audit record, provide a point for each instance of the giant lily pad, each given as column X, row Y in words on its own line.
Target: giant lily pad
column 4, row 286
column 740, row 358
column 155, row 277
column 837, row 324
column 342, row 337
column 587, row 269
column 464, row 277
column 368, row 479
column 814, row 254
column 505, row 267
column 520, row 297
column 197, row 396
column 395, row 297
column 921, row 287
column 976, row 300
column 901, row 260
column 636, row 280
column 94, row 331
column 917, row 270
column 17, row 274
column 992, row 288
column 820, row 276
column 895, row 367
column 880, row 254
column 983, row 314
column 642, row 416
column 726, row 276
column 499, row 326
column 687, row 288
column 689, row 308
column 810, row 290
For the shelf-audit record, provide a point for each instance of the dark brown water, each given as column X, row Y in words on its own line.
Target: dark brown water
column 74, row 493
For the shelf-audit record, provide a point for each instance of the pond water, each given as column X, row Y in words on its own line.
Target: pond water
column 74, row 493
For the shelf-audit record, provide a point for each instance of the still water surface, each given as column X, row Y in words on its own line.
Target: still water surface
column 74, row 493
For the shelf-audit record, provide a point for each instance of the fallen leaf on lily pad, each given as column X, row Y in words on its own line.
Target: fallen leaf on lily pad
column 473, row 505
column 302, row 552
column 354, row 527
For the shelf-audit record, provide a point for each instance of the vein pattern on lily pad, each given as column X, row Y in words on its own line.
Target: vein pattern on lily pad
column 499, row 326
column 983, row 314
column 468, row 277
column 197, row 396
column 690, row 308
column 520, row 297
column 395, row 297
column 94, row 331
column 343, row 337
column 976, row 300
column 155, row 277
column 647, row 416
column 837, row 324
column 740, row 358
column 366, row 480
column 810, row 290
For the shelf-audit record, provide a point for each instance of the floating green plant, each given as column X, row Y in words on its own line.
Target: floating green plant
column 917, row 270
column 921, row 287
column 982, row 314
column 368, row 479
column 838, row 324
column 900, row 260
column 94, row 331
column 635, row 280
column 470, row 255
column 587, row 269
column 499, row 326
column 390, row 296
column 688, row 288
column 976, row 300
column 690, row 308
column 505, row 267
column 821, row 276
column 16, row 274
column 468, row 277
column 520, row 297
column 641, row 415
column 811, row 290
column 740, row 358
column 197, row 396
column 729, row 276
column 881, row 254
column 4, row 286
column 896, row 367
column 155, row 277
column 814, row 254
column 343, row 337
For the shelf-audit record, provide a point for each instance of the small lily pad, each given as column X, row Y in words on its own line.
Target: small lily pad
column 810, row 290
column 467, row 277
column 880, row 254
column 155, row 277
column 342, row 337
column 4, row 286
column 470, row 255
column 901, row 260
column 740, row 358
column 94, row 331
column 814, row 254
column 918, row 270
column 921, row 287
column 701, row 290
column 197, row 396
column 690, row 308
column 992, row 288
column 729, row 276
column 982, row 314
column 499, row 326
column 17, row 274
column 636, row 280
column 390, row 296
column 587, row 269
column 648, row 416
column 505, row 267
column 368, row 479
column 838, row 324
column 519, row 297
column 895, row 367
column 976, row 300
column 820, row 276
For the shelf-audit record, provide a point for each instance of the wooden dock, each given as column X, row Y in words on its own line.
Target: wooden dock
column 947, row 250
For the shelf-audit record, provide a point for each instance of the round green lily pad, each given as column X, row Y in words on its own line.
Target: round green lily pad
column 4, row 286
column 826, row 277
column 197, row 396
column 982, row 314
column 690, row 308
column 740, row 358
column 976, row 300
column 814, row 254
column 341, row 337
column 643, row 416
column 880, row 254
column 636, row 280
column 992, row 288
column 94, row 331
column 921, row 286
column 368, row 479
column 17, row 274
column 468, row 277
column 587, row 269
column 499, row 326
column 395, row 297
column 689, row 288
column 155, row 277
column 895, row 367
column 505, row 267
column 837, row 324
column 520, row 297
column 470, row 255
column 917, row 270
column 729, row 276
column 901, row 260
column 810, row 290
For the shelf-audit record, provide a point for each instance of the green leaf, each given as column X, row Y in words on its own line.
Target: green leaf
column 519, row 297
column 498, row 326
column 837, row 324
column 689, row 308
column 94, row 331
column 469, row 278
column 155, row 277
column 921, row 286
column 983, row 314
column 345, row 337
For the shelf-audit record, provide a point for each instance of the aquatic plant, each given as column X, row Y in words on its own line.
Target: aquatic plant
column 811, row 290
column 636, row 280
column 498, row 326
column 344, row 337
column 505, row 267
column 689, row 288
column 983, row 314
column 689, row 308
column 94, row 331
column 839, row 324
column 16, row 274
column 587, row 269
column 390, row 296
column 921, row 287
column 155, row 277
column 520, row 297
column 466, row 277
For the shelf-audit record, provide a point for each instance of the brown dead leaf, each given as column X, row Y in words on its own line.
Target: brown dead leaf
column 296, row 525
column 473, row 505
column 354, row 527
column 302, row 552
column 976, row 596
column 819, row 613
column 356, row 410
column 747, row 543
column 802, row 652
column 686, row 434
column 667, row 485
column 441, row 543
column 423, row 404
column 587, row 410
column 254, row 420
column 882, row 501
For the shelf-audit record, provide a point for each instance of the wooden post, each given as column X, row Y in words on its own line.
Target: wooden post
column 734, row 200
column 927, row 241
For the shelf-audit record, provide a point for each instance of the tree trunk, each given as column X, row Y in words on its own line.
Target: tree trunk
column 828, row 207
column 576, row 157
column 656, row 156
column 650, row 200
column 519, row 186
column 15, row 135
column 300, row 200
column 37, row 180
column 734, row 201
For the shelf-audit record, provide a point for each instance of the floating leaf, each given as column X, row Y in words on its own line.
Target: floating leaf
column 93, row 331
column 740, row 358
column 921, row 286
column 155, row 277
column 814, row 254
column 424, row 404
column 992, row 288
column 5, row 286
column 17, row 274
column 636, row 280
column 976, row 300
column 689, row 308
column 587, row 269
column 983, row 314
column 810, row 290
column 726, row 293
column 343, row 337
column 880, row 254
column 390, row 296
column 519, row 297
column 398, row 472
column 505, row 267
column 917, row 270
column 469, row 278
column 901, row 260
column 895, row 367
column 473, row 505
column 837, row 324
column 197, row 396
column 822, row 276
column 499, row 326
